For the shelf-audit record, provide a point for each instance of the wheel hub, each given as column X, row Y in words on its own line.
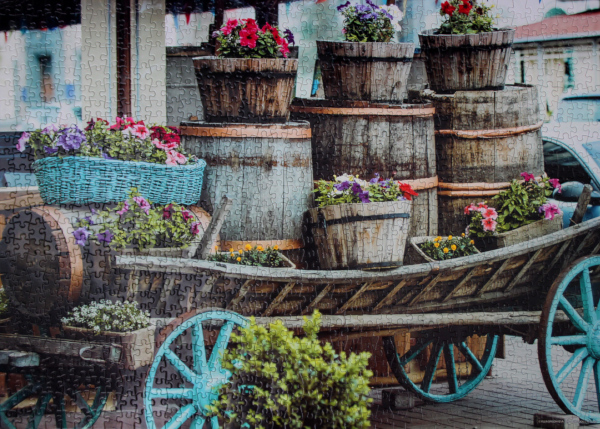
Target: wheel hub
column 593, row 341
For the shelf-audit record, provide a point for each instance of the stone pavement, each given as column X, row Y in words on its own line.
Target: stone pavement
column 507, row 399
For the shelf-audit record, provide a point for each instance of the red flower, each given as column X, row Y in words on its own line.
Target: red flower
column 489, row 213
column 447, row 8
column 231, row 24
column 248, row 37
column 471, row 207
column 465, row 7
column 407, row 190
column 250, row 24
column 274, row 32
column 482, row 206
column 186, row 214
column 489, row 224
column 284, row 47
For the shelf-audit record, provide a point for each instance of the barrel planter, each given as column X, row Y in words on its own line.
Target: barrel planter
column 524, row 233
column 246, row 90
column 266, row 169
column 484, row 139
column 361, row 236
column 467, row 62
column 369, row 71
column 365, row 138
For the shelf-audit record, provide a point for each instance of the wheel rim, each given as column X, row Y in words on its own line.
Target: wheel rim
column 568, row 377
column 457, row 386
column 204, row 377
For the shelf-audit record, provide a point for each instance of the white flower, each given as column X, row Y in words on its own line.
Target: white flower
column 396, row 13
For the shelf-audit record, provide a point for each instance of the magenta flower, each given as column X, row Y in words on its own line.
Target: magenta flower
column 81, row 235
column 550, row 210
column 471, row 207
column 23, row 141
column 124, row 210
column 167, row 212
column 142, row 204
column 105, row 236
column 489, row 213
column 556, row 184
column 489, row 224
column 195, row 228
column 481, row 206
column 174, row 158
column 527, row 176
column 186, row 215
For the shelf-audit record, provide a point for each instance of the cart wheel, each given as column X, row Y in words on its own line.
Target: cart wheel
column 567, row 372
column 200, row 381
column 458, row 387
column 33, row 389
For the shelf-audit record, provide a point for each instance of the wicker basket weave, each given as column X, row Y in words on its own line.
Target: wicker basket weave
column 83, row 180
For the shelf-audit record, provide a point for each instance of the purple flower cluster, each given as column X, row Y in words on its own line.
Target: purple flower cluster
column 81, row 235
column 70, row 138
column 289, row 36
column 356, row 190
column 343, row 6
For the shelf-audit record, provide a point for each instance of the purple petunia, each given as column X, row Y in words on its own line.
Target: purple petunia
column 143, row 204
column 374, row 179
column 81, row 235
column 289, row 36
column 343, row 6
column 342, row 186
column 361, row 8
column 71, row 138
column 89, row 220
column 364, row 197
column 106, row 156
column 368, row 16
column 385, row 13
column 105, row 237
column 50, row 130
column 50, row 150
column 373, row 5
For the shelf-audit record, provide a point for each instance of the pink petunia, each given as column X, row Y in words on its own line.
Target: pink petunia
column 481, row 206
column 174, row 158
column 231, row 24
column 195, row 228
column 142, row 204
column 23, row 141
column 555, row 184
column 471, row 207
column 187, row 215
column 489, row 224
column 527, row 176
column 489, row 213
column 165, row 145
column 124, row 210
column 550, row 210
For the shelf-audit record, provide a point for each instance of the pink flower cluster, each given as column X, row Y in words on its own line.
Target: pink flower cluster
column 489, row 215
column 550, row 210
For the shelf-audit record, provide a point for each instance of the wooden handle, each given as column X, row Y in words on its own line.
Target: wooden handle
column 210, row 235
column 582, row 203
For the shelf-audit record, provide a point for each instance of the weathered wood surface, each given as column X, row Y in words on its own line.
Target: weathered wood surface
column 265, row 169
column 527, row 232
column 19, row 359
column 466, row 62
column 214, row 227
column 485, row 279
column 246, row 90
column 365, row 71
column 582, row 205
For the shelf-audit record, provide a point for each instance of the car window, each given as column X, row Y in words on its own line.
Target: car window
column 579, row 110
column 562, row 164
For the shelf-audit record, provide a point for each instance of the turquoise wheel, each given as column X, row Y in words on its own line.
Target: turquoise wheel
column 33, row 390
column 569, row 342
column 183, row 360
column 456, row 385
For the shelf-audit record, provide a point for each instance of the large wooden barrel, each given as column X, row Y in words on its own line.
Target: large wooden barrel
column 363, row 138
column 484, row 139
column 265, row 168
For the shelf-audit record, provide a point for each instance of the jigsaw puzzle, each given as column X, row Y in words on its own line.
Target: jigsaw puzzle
column 299, row 214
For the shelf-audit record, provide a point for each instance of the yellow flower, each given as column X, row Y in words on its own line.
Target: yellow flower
column 240, row 251
column 259, row 248
column 436, row 245
column 217, row 248
column 453, row 247
column 462, row 235
column 446, row 250
column 438, row 239
column 472, row 242
column 231, row 250
column 248, row 247
column 276, row 247
column 232, row 254
column 449, row 237
column 238, row 259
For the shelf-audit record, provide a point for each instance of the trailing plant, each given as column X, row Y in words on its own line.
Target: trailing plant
column 139, row 223
column 283, row 381
column 347, row 189
column 254, row 256
column 465, row 17
column 524, row 202
column 108, row 316
column 441, row 248
column 3, row 304
column 370, row 22
column 125, row 140
column 242, row 38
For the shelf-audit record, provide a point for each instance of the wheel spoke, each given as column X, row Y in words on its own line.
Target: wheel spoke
column 181, row 417
column 431, row 367
column 414, row 352
column 585, row 284
column 582, row 383
column 18, row 397
column 187, row 373
column 199, row 350
column 569, row 340
column 597, row 382
column 450, row 368
column 571, row 364
column 60, row 415
column 214, row 423
column 38, row 411
column 467, row 353
column 214, row 364
column 572, row 314
column 82, row 404
column 175, row 393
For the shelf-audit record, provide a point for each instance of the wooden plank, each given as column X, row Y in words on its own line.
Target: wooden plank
column 582, row 204
column 353, row 298
column 427, row 288
column 133, row 284
column 559, row 254
column 279, row 298
column 490, row 283
column 214, row 227
column 239, row 295
column 523, row 270
column 460, row 284
column 388, row 298
column 19, row 359
column 318, row 298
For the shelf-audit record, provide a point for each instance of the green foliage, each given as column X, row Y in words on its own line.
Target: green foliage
column 465, row 17
column 447, row 248
column 254, row 256
column 3, row 304
column 283, row 381
column 108, row 316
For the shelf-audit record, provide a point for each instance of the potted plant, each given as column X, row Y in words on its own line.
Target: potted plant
column 119, row 323
column 256, row 256
column 360, row 224
column 280, row 380
column 440, row 248
column 367, row 65
column 517, row 214
column 138, row 226
column 251, row 80
column 466, row 53
column 101, row 163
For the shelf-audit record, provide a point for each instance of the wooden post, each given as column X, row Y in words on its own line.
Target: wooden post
column 582, row 203
column 210, row 235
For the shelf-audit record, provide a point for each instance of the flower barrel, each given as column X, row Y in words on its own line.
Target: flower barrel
column 361, row 236
column 369, row 71
column 466, row 62
column 84, row 180
column 246, row 90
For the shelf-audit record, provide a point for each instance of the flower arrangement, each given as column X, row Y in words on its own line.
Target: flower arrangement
column 243, row 38
column 450, row 247
column 370, row 22
column 297, row 381
column 347, row 189
column 105, row 316
column 255, row 256
column 465, row 17
column 125, row 140
column 139, row 223
column 524, row 202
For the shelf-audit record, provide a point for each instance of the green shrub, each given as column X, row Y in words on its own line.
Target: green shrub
column 294, row 382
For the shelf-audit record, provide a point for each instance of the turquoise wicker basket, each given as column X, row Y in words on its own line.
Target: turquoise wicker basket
column 83, row 180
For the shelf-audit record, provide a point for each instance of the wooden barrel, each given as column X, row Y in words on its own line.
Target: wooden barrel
column 369, row 71
column 246, row 90
column 363, row 138
column 266, row 170
column 484, row 139
column 467, row 62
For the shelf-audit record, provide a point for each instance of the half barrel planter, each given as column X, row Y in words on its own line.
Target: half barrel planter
column 484, row 140
column 364, row 138
column 361, row 236
column 266, row 169
column 368, row 71
column 246, row 90
column 466, row 62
